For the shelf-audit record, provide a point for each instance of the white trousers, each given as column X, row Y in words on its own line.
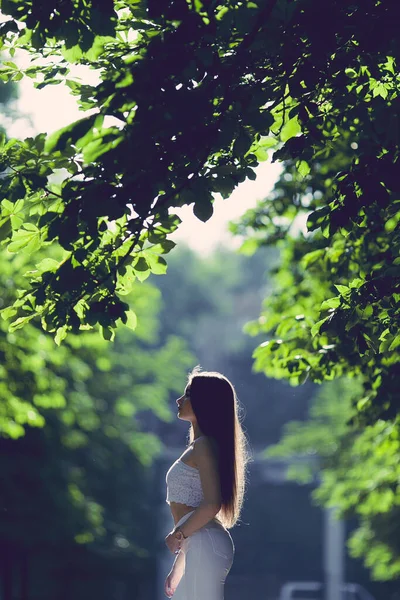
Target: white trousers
column 209, row 554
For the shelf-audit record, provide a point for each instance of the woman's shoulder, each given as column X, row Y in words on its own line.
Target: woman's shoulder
column 202, row 440
column 204, row 444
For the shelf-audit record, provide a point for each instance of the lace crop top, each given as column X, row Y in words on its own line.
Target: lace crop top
column 183, row 484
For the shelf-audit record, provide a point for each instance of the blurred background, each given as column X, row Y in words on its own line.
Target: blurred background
column 82, row 491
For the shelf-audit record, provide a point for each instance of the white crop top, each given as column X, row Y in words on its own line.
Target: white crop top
column 183, row 484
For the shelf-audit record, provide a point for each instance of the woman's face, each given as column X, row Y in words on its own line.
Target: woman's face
column 185, row 410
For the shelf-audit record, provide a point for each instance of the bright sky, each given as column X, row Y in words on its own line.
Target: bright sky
column 54, row 107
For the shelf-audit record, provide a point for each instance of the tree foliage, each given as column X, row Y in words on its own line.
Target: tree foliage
column 191, row 97
column 358, row 472
column 334, row 214
column 333, row 313
column 85, row 375
column 85, row 473
column 338, row 283
column 253, row 74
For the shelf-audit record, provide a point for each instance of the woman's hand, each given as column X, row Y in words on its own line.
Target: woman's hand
column 173, row 543
column 175, row 575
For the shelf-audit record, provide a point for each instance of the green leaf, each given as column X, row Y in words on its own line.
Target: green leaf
column 8, row 312
column 351, row 73
column 395, row 343
column 167, row 246
column 126, row 280
column 331, row 303
column 203, row 208
column 385, row 344
column 131, row 321
column 20, row 322
column 290, row 129
column 143, row 275
column 342, row 289
column 261, row 154
column 317, row 218
column 61, row 334
column 47, row 264
column 14, row 211
column 157, row 264
column 303, row 167
column 27, row 238
column 317, row 326
column 141, row 264
column 380, row 90
column 242, row 144
column 312, row 257
column 70, row 134
column 73, row 54
column 108, row 333
column 267, row 142
column 368, row 312
column 93, row 150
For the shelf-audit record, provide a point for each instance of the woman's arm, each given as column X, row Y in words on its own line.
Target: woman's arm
column 179, row 562
column 208, row 470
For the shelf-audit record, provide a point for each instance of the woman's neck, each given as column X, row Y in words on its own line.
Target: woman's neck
column 196, row 431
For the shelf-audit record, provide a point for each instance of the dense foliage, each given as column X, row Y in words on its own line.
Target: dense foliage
column 191, row 96
column 337, row 287
column 252, row 73
column 90, row 386
column 358, row 472
column 334, row 309
column 77, row 496
column 100, row 493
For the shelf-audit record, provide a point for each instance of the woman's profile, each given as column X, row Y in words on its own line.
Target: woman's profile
column 205, row 488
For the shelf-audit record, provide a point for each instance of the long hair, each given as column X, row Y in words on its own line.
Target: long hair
column 216, row 407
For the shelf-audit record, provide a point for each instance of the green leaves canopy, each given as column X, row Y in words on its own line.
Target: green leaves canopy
column 80, row 410
column 358, row 472
column 334, row 214
column 190, row 97
column 87, row 383
column 114, row 210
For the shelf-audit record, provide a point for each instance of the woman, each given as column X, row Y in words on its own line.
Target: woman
column 205, row 489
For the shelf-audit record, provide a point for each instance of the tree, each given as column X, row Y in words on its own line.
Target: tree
column 305, row 78
column 77, row 493
column 84, row 373
column 337, row 293
column 253, row 74
column 334, row 309
column 358, row 472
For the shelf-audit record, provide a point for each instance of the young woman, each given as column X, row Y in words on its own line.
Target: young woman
column 205, row 489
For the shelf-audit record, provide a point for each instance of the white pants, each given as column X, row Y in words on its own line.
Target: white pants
column 209, row 554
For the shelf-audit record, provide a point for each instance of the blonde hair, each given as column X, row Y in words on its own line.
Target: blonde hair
column 217, row 410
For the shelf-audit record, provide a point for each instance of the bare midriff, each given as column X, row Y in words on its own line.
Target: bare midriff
column 179, row 510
